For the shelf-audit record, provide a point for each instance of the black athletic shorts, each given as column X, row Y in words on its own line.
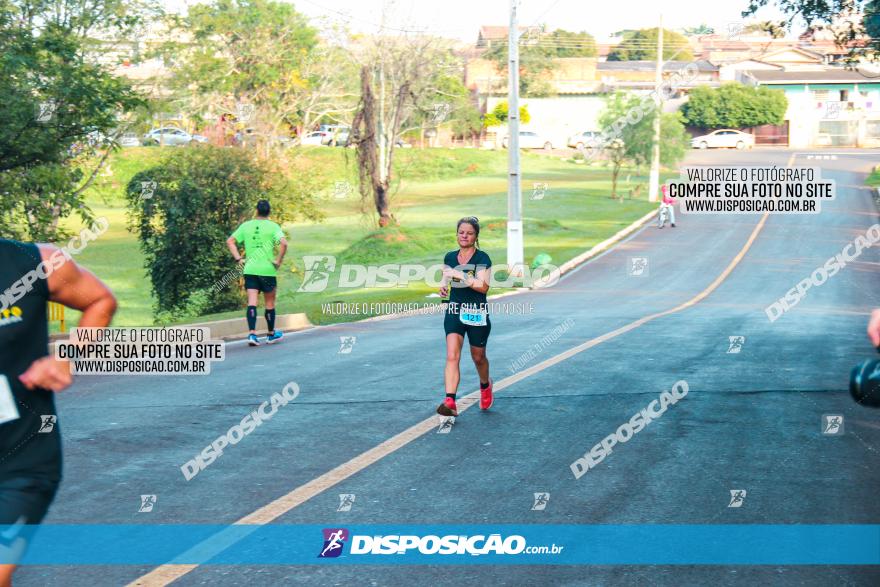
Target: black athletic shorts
column 477, row 336
column 23, row 504
column 263, row 283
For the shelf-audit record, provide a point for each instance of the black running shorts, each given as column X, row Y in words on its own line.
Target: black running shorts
column 477, row 336
column 263, row 283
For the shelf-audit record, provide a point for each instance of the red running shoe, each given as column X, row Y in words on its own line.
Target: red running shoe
column 486, row 397
column 447, row 408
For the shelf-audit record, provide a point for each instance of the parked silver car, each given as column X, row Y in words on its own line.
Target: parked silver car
column 171, row 136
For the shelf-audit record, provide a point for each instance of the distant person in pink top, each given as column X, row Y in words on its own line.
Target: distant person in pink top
column 667, row 205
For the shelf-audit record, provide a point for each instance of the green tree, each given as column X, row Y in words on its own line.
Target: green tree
column 627, row 123
column 468, row 122
column 841, row 15
column 775, row 29
column 451, row 104
column 700, row 29
column 401, row 79
column 641, row 45
column 57, row 108
column 201, row 196
column 535, row 65
column 498, row 116
column 872, row 19
column 734, row 105
column 261, row 62
column 570, row 44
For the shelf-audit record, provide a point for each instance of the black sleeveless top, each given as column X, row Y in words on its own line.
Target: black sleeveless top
column 466, row 296
column 24, row 338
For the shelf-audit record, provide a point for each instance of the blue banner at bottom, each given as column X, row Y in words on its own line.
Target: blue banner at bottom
column 442, row 544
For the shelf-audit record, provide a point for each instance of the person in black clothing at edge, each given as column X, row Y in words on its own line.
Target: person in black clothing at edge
column 30, row 458
column 465, row 283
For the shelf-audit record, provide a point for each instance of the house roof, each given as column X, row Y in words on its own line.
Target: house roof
column 831, row 75
column 720, row 43
column 816, row 56
column 775, row 66
column 491, row 32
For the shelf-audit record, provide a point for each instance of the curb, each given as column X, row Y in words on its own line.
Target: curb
column 228, row 329
column 598, row 248
column 565, row 268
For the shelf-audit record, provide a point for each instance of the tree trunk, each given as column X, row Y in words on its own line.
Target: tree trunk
column 365, row 133
column 614, row 174
column 382, row 206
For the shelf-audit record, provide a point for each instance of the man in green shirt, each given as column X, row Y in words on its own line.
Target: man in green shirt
column 260, row 237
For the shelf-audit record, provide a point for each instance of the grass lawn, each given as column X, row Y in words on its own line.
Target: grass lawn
column 439, row 186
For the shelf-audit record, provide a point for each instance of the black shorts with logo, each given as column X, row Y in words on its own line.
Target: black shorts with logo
column 263, row 283
column 24, row 502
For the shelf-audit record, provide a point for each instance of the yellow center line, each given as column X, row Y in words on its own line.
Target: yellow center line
column 170, row 572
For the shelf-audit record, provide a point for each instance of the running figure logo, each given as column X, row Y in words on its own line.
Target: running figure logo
column 317, row 275
column 148, row 189
column 346, row 344
column 734, row 29
column 538, row 190
column 832, row 424
column 47, row 423
column 46, row 111
column 446, row 423
column 341, row 190
column 245, row 111
column 440, row 111
column 832, row 109
column 638, row 266
column 334, row 539
column 737, row 496
column 541, row 500
column 346, row 500
column 736, row 344
column 147, row 503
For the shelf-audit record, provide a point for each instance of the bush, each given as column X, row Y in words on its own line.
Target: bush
column 185, row 208
column 734, row 105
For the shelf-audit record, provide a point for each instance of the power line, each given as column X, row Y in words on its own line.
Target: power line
column 348, row 17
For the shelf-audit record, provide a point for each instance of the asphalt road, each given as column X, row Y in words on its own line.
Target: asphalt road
column 752, row 420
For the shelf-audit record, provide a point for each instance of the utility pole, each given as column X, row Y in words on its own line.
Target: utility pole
column 654, row 178
column 514, row 190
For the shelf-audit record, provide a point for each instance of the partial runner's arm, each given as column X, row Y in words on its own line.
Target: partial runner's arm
column 77, row 288
column 233, row 248
column 480, row 282
column 282, row 250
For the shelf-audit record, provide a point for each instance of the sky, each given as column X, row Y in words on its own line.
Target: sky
column 461, row 19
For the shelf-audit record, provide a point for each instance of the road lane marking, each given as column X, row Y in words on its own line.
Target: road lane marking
column 165, row 574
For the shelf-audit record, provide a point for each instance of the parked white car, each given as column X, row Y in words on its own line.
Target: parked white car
column 171, row 136
column 585, row 139
column 337, row 134
column 129, row 139
column 530, row 140
column 316, row 139
column 724, row 138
